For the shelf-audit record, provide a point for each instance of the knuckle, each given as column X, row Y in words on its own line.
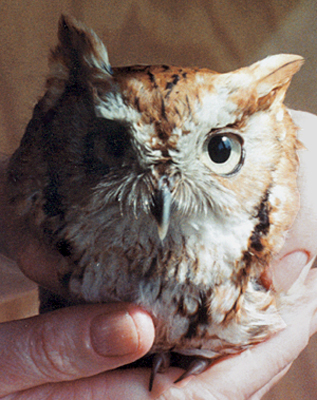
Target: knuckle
column 49, row 353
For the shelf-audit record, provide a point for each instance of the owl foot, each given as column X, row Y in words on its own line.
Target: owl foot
column 196, row 367
column 161, row 362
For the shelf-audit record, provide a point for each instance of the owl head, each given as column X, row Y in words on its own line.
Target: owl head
column 167, row 146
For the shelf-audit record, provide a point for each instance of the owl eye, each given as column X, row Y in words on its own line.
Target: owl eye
column 106, row 145
column 224, row 153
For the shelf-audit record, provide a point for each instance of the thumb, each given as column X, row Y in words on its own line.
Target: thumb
column 71, row 343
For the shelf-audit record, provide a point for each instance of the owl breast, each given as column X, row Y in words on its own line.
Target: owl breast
column 190, row 282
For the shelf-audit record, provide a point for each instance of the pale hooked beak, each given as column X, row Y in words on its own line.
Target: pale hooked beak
column 161, row 209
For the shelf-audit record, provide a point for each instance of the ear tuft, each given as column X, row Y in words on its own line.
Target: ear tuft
column 80, row 44
column 275, row 72
column 79, row 53
column 79, row 60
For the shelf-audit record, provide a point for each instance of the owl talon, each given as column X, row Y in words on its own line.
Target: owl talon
column 161, row 362
column 196, row 367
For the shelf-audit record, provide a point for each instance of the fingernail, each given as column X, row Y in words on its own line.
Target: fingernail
column 114, row 335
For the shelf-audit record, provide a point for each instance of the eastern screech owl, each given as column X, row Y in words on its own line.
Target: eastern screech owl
column 165, row 186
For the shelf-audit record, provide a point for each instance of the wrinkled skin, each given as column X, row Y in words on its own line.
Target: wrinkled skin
column 67, row 353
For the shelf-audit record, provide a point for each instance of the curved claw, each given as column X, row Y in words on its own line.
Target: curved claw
column 196, row 367
column 161, row 362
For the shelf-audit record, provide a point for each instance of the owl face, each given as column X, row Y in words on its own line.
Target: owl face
column 198, row 141
column 170, row 187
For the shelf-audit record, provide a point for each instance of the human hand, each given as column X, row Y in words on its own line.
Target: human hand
column 245, row 376
column 60, row 355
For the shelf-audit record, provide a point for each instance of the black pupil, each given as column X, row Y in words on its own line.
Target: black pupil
column 219, row 149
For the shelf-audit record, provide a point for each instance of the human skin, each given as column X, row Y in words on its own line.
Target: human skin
column 75, row 352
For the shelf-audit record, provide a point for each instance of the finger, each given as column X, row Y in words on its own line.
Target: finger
column 286, row 271
column 239, row 377
column 287, row 265
column 311, row 284
column 35, row 259
column 71, row 343
column 266, row 388
column 41, row 264
column 119, row 384
column 301, row 235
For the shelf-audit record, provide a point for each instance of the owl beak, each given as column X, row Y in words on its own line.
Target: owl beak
column 161, row 209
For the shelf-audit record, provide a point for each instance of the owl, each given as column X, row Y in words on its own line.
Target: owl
column 164, row 186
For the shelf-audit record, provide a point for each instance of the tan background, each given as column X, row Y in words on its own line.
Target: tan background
column 219, row 34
